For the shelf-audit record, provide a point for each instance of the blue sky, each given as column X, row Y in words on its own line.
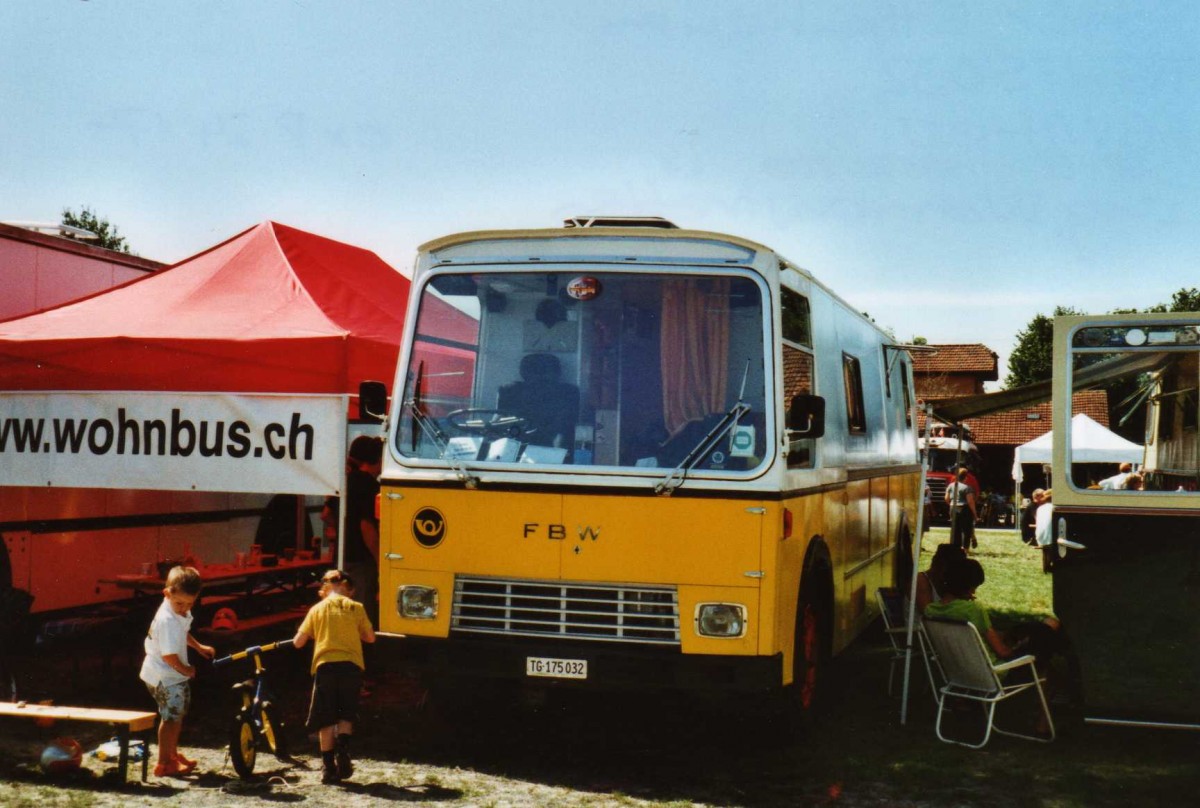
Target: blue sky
column 953, row 168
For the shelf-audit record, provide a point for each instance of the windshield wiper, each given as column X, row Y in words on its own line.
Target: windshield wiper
column 429, row 426
column 677, row 475
column 675, row 478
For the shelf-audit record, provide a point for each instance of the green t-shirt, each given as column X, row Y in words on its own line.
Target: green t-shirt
column 970, row 610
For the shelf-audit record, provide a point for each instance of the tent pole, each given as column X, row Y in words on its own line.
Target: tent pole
column 916, row 557
column 1017, row 500
column 341, row 539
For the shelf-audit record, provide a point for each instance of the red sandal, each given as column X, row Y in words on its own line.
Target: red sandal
column 167, row 769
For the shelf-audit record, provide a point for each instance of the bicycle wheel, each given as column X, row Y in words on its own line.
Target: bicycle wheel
column 243, row 744
column 273, row 729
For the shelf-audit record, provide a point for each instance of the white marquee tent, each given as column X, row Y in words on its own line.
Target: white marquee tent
column 1090, row 443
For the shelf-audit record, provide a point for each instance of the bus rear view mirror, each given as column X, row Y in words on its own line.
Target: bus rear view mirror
column 806, row 416
column 372, row 401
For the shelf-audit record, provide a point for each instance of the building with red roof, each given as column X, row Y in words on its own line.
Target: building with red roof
column 954, row 371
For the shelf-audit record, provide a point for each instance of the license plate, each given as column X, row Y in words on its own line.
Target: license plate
column 556, row 668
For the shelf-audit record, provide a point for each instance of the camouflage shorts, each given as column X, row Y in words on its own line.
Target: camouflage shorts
column 173, row 700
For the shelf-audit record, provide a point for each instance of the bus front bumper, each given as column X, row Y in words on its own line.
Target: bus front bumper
column 609, row 667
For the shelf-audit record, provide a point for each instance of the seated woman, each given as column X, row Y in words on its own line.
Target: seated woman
column 931, row 582
column 1042, row 638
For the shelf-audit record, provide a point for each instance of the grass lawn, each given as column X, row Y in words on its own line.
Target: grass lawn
column 1015, row 588
column 861, row 754
column 1084, row 766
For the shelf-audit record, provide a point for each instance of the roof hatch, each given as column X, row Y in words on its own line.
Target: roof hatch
column 620, row 221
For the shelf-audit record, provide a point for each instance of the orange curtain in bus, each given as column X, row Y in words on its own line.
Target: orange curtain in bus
column 695, row 349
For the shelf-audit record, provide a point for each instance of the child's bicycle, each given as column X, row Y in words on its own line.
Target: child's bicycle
column 259, row 717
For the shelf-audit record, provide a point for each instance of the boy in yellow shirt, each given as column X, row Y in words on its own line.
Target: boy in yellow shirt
column 339, row 627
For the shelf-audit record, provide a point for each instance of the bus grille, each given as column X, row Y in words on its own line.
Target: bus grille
column 937, row 488
column 603, row 612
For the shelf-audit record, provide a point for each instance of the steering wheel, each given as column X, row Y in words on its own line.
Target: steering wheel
column 489, row 423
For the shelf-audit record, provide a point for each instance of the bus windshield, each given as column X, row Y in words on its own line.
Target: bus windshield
column 601, row 369
column 950, row 459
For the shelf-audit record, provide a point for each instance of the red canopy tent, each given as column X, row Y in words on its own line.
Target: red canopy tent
column 271, row 310
column 142, row 370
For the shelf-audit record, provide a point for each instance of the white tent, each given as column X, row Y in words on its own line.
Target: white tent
column 1090, row 443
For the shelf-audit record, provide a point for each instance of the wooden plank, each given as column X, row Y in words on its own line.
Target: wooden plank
column 224, row 574
column 296, row 613
column 225, row 637
column 137, row 721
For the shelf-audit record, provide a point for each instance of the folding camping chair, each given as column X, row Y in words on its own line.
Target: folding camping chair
column 971, row 675
column 893, row 607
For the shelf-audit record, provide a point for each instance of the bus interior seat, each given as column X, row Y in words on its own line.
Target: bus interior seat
column 549, row 406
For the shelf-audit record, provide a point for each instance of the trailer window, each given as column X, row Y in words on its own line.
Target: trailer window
column 1138, row 380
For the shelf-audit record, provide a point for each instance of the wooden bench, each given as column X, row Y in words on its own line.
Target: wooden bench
column 126, row 723
column 113, row 633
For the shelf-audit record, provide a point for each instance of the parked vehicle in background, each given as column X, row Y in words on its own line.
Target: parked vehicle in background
column 995, row 510
column 641, row 457
column 946, row 453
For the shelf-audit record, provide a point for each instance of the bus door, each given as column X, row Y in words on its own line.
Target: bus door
column 1126, row 557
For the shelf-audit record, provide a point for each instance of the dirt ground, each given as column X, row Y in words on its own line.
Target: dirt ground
column 564, row 750
column 522, row 750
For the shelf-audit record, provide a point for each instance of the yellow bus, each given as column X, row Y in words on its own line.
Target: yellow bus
column 624, row 454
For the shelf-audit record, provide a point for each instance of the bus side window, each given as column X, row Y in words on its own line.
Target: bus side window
column 797, row 320
column 797, row 367
column 856, row 411
column 797, row 380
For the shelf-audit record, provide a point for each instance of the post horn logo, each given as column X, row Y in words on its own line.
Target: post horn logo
column 429, row 527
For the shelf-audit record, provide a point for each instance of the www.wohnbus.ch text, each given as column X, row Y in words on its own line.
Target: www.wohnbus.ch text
column 177, row 437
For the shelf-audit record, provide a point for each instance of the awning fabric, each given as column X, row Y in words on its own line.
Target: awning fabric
column 957, row 410
column 272, row 310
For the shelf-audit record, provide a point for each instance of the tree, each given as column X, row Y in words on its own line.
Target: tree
column 109, row 238
column 1182, row 300
column 919, row 341
column 1032, row 358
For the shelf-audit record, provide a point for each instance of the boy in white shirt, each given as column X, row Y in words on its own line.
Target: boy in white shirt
column 166, row 671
